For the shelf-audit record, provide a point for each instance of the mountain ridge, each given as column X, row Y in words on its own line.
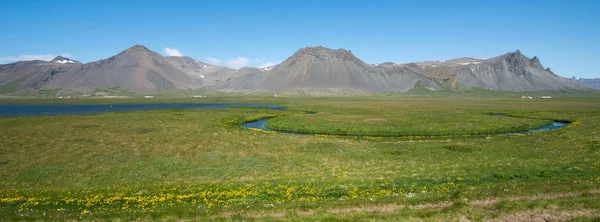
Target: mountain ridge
column 139, row 69
column 511, row 71
column 593, row 83
column 318, row 67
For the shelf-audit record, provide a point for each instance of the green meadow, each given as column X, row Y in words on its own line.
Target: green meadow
column 372, row 158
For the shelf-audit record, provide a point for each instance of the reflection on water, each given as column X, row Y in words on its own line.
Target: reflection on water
column 259, row 124
column 7, row 110
column 555, row 125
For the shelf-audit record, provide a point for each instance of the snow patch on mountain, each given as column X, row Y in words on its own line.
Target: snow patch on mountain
column 64, row 61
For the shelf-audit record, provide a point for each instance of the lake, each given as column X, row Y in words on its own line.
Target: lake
column 11, row 110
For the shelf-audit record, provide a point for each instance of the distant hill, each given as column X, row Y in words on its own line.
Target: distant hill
column 590, row 83
column 512, row 71
column 139, row 69
column 208, row 74
column 31, row 75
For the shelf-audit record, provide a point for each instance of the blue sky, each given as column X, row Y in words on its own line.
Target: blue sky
column 565, row 35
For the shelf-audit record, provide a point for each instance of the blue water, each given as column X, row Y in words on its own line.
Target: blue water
column 555, row 125
column 11, row 110
column 259, row 124
column 8, row 110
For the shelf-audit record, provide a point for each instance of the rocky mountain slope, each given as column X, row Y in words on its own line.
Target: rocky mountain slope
column 314, row 68
column 590, row 83
column 19, row 76
column 512, row 71
column 320, row 67
column 208, row 74
column 136, row 69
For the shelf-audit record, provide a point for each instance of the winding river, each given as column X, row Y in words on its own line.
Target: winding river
column 16, row 110
column 261, row 124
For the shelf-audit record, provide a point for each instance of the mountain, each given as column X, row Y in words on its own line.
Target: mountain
column 209, row 74
column 18, row 76
column 316, row 68
column 590, row 83
column 245, row 79
column 64, row 60
column 313, row 68
column 136, row 69
column 139, row 69
column 512, row 71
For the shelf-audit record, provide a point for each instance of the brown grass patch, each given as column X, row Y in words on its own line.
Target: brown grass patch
column 545, row 215
column 517, row 216
column 376, row 120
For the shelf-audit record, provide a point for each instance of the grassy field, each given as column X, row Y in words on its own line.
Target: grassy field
column 199, row 164
column 339, row 119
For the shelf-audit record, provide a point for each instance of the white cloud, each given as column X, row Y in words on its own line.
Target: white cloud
column 267, row 64
column 213, row 61
column 237, row 62
column 44, row 57
column 173, row 52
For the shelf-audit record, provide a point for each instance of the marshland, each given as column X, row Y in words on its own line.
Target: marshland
column 451, row 160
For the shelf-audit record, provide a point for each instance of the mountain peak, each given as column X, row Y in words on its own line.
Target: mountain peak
column 138, row 47
column 137, row 50
column 516, row 53
column 60, row 58
column 320, row 52
column 321, row 49
column 516, row 58
column 63, row 60
column 535, row 62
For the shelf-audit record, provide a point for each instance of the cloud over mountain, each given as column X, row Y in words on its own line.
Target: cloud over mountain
column 172, row 52
column 235, row 63
column 43, row 57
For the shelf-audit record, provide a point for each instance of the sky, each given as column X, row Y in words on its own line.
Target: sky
column 564, row 35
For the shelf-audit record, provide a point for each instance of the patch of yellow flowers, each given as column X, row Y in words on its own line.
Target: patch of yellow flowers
column 87, row 202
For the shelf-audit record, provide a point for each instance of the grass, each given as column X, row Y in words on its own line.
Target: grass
column 198, row 164
column 399, row 120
